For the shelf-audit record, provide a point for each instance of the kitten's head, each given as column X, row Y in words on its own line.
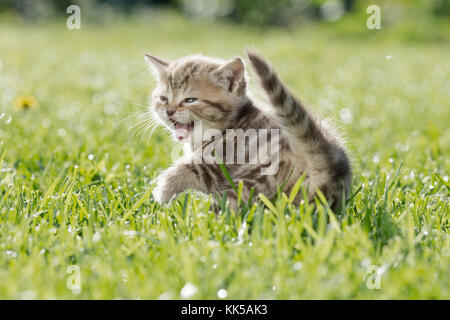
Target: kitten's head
column 194, row 89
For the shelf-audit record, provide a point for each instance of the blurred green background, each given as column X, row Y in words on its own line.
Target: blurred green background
column 262, row 12
column 77, row 160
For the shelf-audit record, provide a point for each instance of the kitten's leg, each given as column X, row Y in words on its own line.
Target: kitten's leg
column 205, row 178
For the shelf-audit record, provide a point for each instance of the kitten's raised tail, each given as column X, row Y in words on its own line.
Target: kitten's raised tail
column 288, row 109
column 328, row 165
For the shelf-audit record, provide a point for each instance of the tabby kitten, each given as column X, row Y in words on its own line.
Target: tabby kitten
column 198, row 89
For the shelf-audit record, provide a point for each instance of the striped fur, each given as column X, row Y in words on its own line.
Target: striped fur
column 305, row 145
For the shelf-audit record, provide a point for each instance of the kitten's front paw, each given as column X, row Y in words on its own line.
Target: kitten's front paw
column 162, row 192
column 158, row 194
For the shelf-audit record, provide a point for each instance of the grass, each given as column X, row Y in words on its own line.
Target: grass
column 75, row 182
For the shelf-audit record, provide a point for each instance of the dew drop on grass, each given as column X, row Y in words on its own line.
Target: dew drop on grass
column 11, row 253
column 61, row 132
column 376, row 159
column 366, row 262
column 165, row 296
column 97, row 237
column 188, row 291
column 346, row 115
column 222, row 294
column 5, row 118
column 297, row 266
column 124, row 276
column 91, row 157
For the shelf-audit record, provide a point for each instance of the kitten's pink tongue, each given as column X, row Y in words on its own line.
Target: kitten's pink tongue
column 181, row 131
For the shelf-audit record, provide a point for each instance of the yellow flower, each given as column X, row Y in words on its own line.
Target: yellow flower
column 25, row 102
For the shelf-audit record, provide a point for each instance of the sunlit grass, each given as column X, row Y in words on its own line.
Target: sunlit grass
column 75, row 181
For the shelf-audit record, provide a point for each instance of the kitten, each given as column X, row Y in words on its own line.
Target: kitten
column 198, row 91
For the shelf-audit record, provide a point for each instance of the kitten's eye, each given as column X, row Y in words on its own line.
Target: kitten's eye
column 190, row 100
column 163, row 99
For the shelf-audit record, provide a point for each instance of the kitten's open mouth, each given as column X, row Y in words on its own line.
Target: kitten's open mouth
column 182, row 130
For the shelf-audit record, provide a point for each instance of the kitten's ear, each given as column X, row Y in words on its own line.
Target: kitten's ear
column 232, row 74
column 158, row 66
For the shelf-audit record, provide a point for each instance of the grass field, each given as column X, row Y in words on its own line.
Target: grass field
column 75, row 181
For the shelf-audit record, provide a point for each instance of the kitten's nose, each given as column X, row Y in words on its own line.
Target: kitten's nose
column 170, row 112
